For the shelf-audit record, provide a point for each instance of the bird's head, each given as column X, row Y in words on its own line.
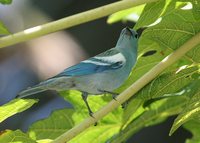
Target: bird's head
column 128, row 40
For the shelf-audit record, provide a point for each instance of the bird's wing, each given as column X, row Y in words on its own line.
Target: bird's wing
column 109, row 60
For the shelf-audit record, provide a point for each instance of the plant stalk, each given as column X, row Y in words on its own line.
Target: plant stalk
column 70, row 21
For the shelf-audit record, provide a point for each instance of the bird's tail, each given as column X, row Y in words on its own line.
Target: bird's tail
column 30, row 91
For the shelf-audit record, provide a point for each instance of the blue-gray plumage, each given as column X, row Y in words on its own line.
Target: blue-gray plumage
column 97, row 75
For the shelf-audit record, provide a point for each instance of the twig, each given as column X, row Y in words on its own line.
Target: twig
column 69, row 22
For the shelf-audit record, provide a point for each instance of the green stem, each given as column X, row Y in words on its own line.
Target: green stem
column 69, row 22
column 135, row 87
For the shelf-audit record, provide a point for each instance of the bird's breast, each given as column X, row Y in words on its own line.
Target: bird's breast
column 105, row 81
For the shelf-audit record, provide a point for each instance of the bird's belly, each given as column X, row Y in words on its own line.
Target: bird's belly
column 96, row 83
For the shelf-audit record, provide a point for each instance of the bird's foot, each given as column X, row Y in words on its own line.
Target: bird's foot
column 91, row 115
column 114, row 95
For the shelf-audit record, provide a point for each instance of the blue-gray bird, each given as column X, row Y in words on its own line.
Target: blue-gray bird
column 97, row 75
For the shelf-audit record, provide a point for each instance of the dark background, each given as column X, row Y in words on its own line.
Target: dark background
column 95, row 37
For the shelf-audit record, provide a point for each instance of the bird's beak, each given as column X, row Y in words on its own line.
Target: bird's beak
column 128, row 32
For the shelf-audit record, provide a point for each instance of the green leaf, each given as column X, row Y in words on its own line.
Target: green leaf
column 128, row 14
column 168, row 83
column 56, row 124
column 132, row 111
column 150, row 14
column 153, row 114
column 5, row 1
column 3, row 29
column 196, row 9
column 149, row 55
column 15, row 106
column 193, row 5
column 96, row 103
column 62, row 120
column 106, row 127
column 17, row 136
column 148, row 43
column 194, row 127
column 154, row 10
column 174, row 30
column 192, row 109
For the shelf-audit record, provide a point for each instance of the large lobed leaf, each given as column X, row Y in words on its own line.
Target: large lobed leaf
column 168, row 83
column 150, row 14
column 62, row 120
column 175, row 29
column 177, row 25
column 56, row 124
column 153, row 12
column 151, row 115
column 106, row 127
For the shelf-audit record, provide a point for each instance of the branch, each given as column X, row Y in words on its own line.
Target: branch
column 135, row 87
column 69, row 22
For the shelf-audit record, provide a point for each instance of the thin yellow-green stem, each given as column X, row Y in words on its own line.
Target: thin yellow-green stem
column 69, row 22
column 135, row 87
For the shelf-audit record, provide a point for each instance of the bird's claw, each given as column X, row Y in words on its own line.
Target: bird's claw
column 114, row 96
column 91, row 115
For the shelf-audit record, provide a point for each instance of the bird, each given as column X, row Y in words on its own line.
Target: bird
column 101, row 74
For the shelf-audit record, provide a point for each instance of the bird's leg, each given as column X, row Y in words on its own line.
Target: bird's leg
column 84, row 96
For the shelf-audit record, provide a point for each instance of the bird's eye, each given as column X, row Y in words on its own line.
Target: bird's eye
column 136, row 35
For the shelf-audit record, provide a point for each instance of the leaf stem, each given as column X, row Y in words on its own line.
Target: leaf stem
column 135, row 87
column 70, row 21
